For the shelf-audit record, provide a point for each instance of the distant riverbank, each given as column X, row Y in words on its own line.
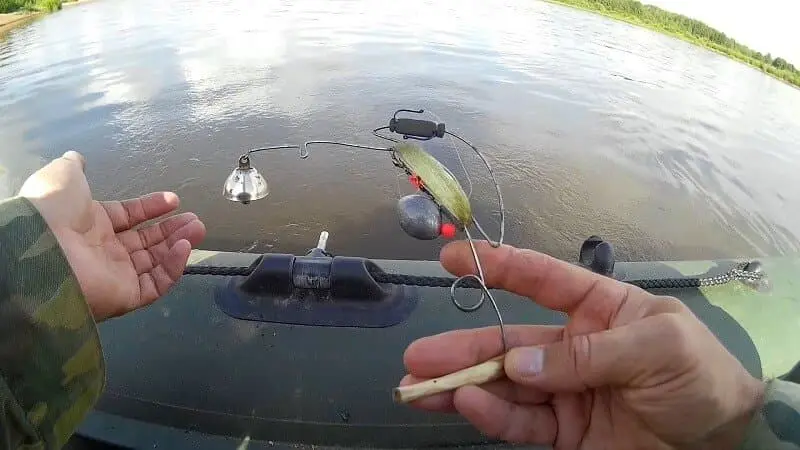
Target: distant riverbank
column 14, row 12
column 689, row 30
column 8, row 21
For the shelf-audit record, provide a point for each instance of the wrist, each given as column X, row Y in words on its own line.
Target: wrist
column 53, row 368
column 731, row 434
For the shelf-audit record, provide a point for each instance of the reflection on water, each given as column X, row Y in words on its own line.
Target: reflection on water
column 594, row 127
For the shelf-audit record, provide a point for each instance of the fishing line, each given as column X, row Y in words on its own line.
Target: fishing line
column 304, row 152
column 458, row 154
column 502, row 207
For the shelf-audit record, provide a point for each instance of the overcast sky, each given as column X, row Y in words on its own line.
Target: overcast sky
column 768, row 26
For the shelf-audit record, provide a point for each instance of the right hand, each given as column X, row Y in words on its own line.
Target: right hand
column 629, row 369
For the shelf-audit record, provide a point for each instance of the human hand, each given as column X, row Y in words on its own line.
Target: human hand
column 628, row 370
column 119, row 268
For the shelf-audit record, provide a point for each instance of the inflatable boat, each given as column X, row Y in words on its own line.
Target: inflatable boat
column 228, row 361
column 277, row 351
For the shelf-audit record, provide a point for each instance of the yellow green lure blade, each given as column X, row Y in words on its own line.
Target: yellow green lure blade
column 437, row 180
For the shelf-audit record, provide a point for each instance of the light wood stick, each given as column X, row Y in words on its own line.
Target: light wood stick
column 482, row 373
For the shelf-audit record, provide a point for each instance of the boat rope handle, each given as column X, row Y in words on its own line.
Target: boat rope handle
column 738, row 272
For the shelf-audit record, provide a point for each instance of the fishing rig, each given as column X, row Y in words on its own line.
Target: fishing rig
column 439, row 208
column 326, row 290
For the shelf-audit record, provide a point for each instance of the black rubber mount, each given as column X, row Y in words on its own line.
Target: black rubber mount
column 597, row 255
column 316, row 290
column 416, row 128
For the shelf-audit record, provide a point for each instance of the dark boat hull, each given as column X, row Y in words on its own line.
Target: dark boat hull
column 182, row 374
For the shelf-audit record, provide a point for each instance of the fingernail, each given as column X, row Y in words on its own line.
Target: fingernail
column 527, row 361
column 72, row 155
column 172, row 197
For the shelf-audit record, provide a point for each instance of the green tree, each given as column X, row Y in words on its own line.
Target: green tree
column 688, row 29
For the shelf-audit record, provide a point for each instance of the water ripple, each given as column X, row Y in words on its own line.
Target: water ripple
column 593, row 126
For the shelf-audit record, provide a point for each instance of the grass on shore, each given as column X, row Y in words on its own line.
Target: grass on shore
column 689, row 30
column 7, row 6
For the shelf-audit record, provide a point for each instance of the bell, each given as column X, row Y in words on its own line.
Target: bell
column 419, row 216
column 245, row 184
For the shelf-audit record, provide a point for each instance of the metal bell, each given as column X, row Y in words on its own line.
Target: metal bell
column 419, row 216
column 245, row 184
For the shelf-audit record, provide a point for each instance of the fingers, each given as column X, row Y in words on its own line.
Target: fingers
column 145, row 259
column 573, row 414
column 448, row 352
column 498, row 418
column 504, row 389
column 628, row 355
column 550, row 282
column 127, row 214
column 161, row 278
column 152, row 235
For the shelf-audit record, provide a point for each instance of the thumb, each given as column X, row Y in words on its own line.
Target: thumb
column 630, row 355
column 61, row 174
column 75, row 157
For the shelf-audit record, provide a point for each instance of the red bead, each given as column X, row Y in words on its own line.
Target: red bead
column 415, row 181
column 448, row 230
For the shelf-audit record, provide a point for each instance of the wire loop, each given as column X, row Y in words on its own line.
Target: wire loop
column 485, row 293
column 459, row 281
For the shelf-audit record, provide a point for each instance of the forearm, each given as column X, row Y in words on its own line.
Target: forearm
column 50, row 356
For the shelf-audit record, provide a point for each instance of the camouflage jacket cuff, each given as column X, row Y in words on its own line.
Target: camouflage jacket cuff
column 776, row 425
column 50, row 354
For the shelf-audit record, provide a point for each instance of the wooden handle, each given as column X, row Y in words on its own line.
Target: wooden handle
column 482, row 373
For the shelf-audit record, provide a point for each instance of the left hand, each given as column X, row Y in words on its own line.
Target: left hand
column 119, row 268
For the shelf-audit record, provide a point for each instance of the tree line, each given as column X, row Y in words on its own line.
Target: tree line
column 8, row 6
column 696, row 30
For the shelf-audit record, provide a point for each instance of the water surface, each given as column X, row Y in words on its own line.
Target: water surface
column 593, row 126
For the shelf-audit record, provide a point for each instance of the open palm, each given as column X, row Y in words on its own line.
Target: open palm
column 119, row 267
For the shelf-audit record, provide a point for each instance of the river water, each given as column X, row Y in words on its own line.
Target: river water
column 593, row 126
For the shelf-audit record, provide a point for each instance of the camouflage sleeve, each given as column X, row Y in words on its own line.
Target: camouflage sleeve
column 51, row 364
column 776, row 426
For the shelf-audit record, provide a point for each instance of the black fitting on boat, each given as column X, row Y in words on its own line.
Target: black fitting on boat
column 334, row 279
column 761, row 283
column 597, row 255
column 415, row 128
column 754, row 267
column 316, row 289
